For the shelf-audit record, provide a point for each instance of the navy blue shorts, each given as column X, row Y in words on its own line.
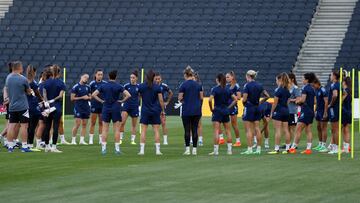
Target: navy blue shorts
column 234, row 110
column 293, row 119
column 266, row 113
column 306, row 117
column 81, row 115
column 319, row 116
column 96, row 110
column 281, row 115
column 150, row 118
column 346, row 117
column 220, row 115
column 251, row 114
column 333, row 114
column 133, row 112
column 111, row 114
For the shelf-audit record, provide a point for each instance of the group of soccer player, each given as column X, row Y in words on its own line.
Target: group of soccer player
column 292, row 110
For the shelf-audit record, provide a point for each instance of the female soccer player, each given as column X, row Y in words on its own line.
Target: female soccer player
column 96, row 107
column 321, row 115
column 81, row 95
column 346, row 113
column 200, row 127
column 34, row 108
column 307, row 114
column 293, row 107
column 40, row 139
column 111, row 111
column 167, row 95
column 251, row 117
column 235, row 89
column 131, row 107
column 53, row 91
column 221, row 111
column 333, row 111
column 191, row 95
column 151, row 109
column 280, row 112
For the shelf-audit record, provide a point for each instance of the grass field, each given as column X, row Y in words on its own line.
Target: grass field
column 81, row 174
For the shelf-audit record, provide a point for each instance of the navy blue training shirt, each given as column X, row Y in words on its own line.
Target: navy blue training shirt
column 150, row 99
column 308, row 105
column 191, row 104
column 334, row 86
column 347, row 101
column 133, row 101
column 221, row 96
column 111, row 92
column 283, row 96
column 321, row 93
column 254, row 91
column 32, row 99
column 94, row 85
column 234, row 90
column 80, row 90
column 53, row 88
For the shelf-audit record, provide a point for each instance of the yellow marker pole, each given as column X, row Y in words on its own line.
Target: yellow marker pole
column 63, row 101
column 142, row 80
column 353, row 111
column 340, row 112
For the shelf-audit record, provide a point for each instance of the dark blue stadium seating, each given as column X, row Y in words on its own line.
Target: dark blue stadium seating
column 349, row 55
column 210, row 35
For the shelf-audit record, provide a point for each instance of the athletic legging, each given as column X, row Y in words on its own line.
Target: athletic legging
column 33, row 122
column 52, row 119
column 191, row 123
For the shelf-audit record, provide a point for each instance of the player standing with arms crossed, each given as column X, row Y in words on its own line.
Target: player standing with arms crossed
column 81, row 95
column 111, row 111
column 96, row 107
column 131, row 107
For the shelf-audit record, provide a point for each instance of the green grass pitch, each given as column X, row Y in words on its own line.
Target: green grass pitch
column 82, row 174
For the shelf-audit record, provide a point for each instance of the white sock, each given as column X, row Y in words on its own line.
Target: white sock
column 216, row 148
column 38, row 141
column 73, row 139
column 335, row 147
column 121, row 135
column 53, row 146
column 165, row 138
column 91, row 137
column 266, row 141
column 103, row 146
column 229, row 146
column 100, row 137
column 117, row 146
column 62, row 138
column 238, row 139
column 346, row 146
column 133, row 138
column 294, row 145
column 82, row 139
column 200, row 138
column 250, row 149
column 187, row 149
column 221, row 136
column 157, row 146
column 24, row 145
column 277, row 147
column 258, row 148
column 255, row 140
column 287, row 146
column 308, row 145
column 142, row 147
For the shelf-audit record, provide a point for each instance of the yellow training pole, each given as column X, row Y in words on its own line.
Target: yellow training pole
column 63, row 101
column 352, row 111
column 340, row 112
column 142, row 80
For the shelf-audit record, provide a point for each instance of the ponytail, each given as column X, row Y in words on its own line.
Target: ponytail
column 150, row 78
column 284, row 80
column 222, row 80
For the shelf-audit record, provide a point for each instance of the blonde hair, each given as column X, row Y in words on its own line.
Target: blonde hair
column 189, row 72
column 252, row 73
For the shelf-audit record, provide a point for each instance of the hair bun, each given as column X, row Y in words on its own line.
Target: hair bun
column 252, row 73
